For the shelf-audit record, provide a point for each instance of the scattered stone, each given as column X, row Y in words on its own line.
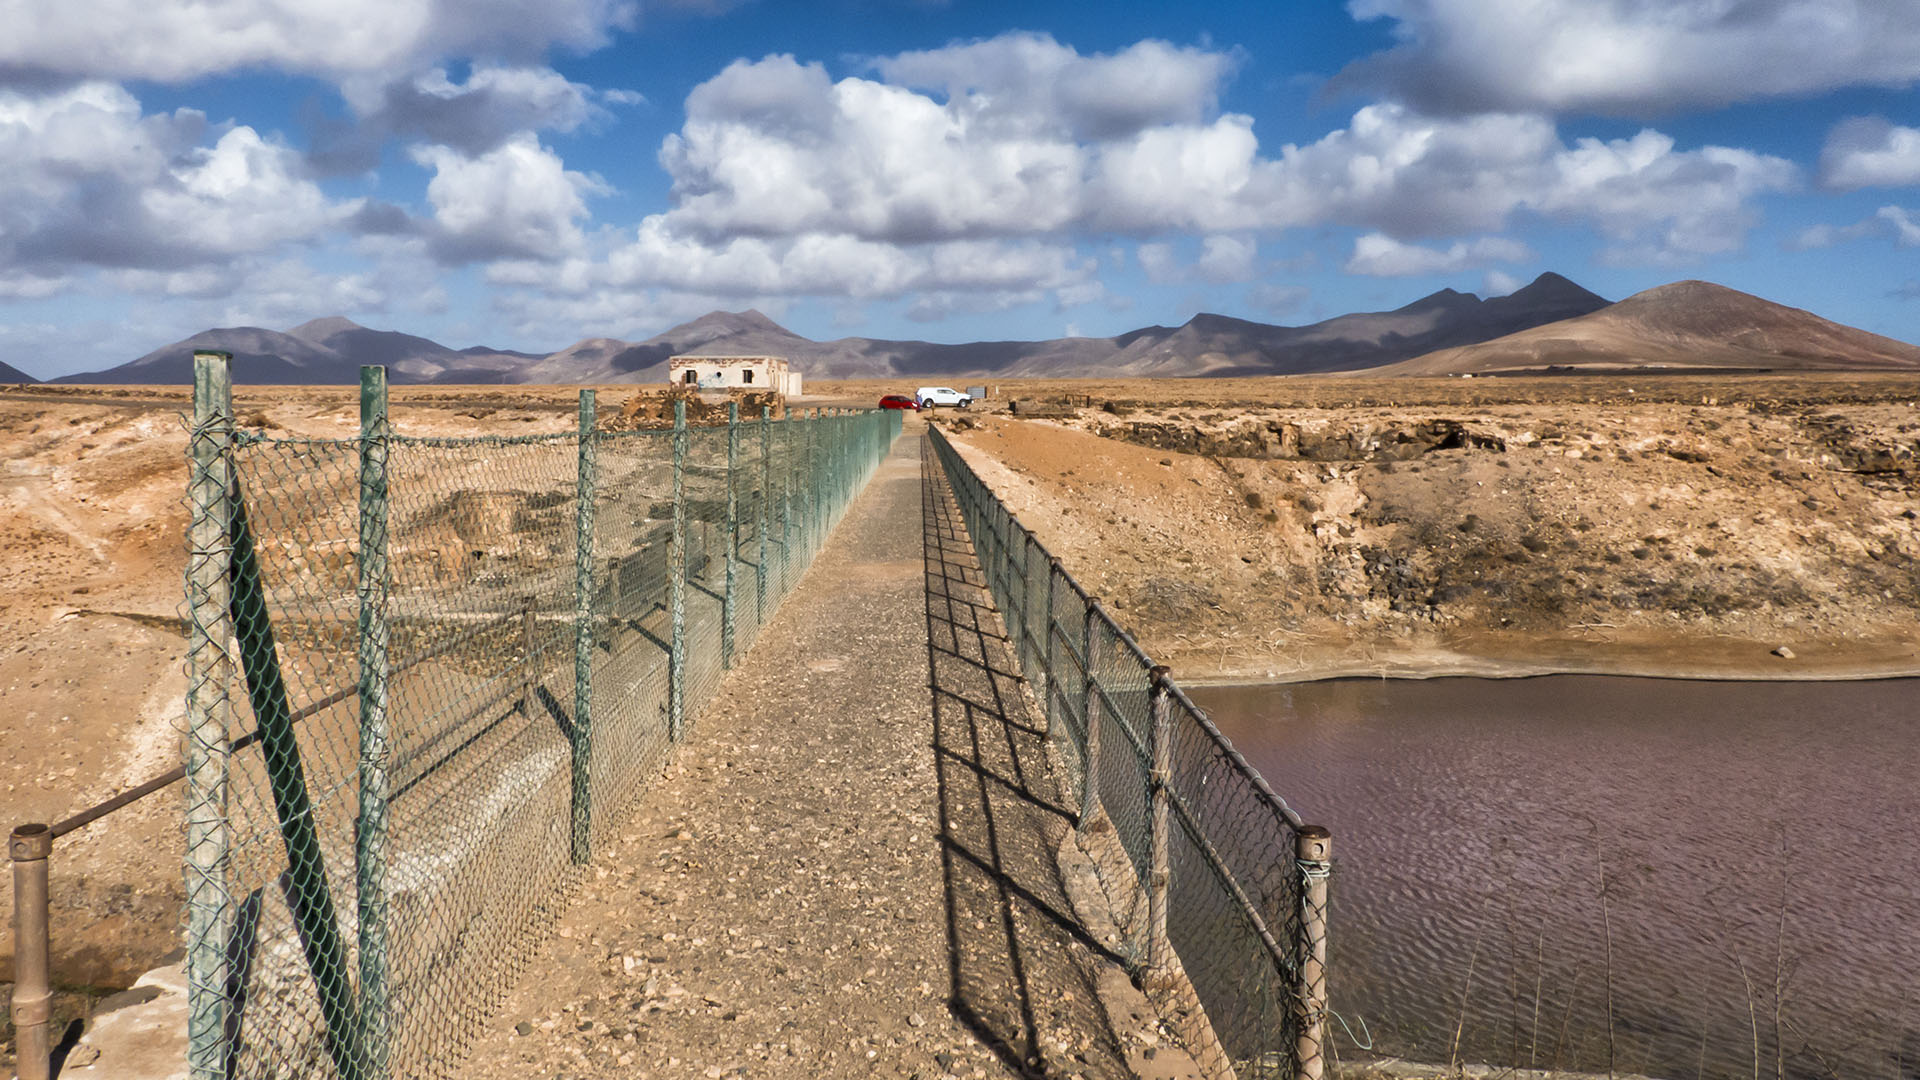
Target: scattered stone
column 916, row 1020
column 1783, row 652
column 523, row 1028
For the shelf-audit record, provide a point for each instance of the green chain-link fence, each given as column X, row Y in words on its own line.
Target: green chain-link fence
column 1224, row 890
column 427, row 676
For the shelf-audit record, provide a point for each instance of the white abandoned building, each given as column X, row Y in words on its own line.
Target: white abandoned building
column 725, row 372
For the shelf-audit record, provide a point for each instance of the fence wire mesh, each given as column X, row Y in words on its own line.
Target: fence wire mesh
column 425, row 676
column 1239, row 940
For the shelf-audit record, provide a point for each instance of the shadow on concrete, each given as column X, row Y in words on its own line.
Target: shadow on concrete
column 1018, row 959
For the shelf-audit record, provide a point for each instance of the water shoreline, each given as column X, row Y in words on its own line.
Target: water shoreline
column 1505, row 655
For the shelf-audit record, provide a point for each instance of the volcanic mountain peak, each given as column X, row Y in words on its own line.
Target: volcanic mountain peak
column 1552, row 285
column 319, row 330
column 719, row 324
column 1703, row 308
column 1685, row 326
column 1444, row 298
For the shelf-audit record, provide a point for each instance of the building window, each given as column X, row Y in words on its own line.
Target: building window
column 691, row 377
column 746, row 376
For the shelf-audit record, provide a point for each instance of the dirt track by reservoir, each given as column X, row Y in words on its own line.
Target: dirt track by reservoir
column 1722, row 517
column 848, row 871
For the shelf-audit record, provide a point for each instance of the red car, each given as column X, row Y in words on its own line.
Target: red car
column 899, row 401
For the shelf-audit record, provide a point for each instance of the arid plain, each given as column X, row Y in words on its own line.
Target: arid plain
column 1246, row 529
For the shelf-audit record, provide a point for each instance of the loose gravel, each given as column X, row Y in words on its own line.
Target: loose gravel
column 849, row 867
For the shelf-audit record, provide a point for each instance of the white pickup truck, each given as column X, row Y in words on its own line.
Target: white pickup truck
column 931, row 396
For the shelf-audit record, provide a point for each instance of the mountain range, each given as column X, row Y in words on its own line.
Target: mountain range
column 1685, row 326
column 1552, row 322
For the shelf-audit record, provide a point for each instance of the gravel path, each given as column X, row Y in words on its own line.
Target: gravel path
column 849, row 869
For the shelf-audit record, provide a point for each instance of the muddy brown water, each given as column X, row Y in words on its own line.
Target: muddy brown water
column 1670, row 878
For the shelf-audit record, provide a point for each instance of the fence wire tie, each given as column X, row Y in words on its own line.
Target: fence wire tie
column 1314, row 869
column 1357, row 1044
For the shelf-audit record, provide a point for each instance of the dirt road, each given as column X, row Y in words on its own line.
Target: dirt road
column 845, row 873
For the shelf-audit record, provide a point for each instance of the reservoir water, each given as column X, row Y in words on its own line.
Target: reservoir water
column 1584, row 873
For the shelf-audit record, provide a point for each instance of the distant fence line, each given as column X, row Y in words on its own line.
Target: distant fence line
column 426, row 676
column 1234, row 884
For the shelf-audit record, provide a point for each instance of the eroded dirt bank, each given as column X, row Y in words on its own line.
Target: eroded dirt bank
column 1702, row 531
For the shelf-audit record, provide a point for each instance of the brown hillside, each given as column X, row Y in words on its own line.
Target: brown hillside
column 1685, row 325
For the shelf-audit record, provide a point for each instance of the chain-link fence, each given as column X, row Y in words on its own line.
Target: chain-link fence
column 426, row 678
column 1222, row 888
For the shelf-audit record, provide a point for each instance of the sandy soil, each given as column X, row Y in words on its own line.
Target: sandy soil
column 92, row 685
column 1686, row 527
column 92, row 549
column 1244, row 528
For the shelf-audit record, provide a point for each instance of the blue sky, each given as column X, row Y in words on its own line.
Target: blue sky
column 526, row 175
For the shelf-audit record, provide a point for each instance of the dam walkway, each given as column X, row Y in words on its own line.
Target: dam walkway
column 849, row 867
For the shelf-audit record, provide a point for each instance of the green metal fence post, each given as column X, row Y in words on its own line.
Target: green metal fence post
column 808, row 497
column 762, row 504
column 209, row 677
column 786, row 503
column 842, row 465
column 376, row 742
column 677, row 591
column 529, row 681
column 308, row 894
column 727, row 611
column 581, row 734
column 1090, row 708
column 1047, row 660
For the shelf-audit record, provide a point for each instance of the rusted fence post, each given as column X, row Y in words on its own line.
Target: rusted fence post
column 29, row 847
column 1314, row 854
column 1159, row 870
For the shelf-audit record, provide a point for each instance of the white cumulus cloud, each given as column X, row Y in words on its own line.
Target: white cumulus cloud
column 1895, row 223
column 90, row 180
column 1024, row 82
column 1222, row 258
column 1869, row 151
column 777, row 148
column 1633, row 56
column 518, row 200
column 977, row 170
column 1378, row 255
column 1905, row 225
column 178, row 42
column 492, row 105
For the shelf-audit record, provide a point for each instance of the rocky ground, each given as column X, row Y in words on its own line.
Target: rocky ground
column 92, row 550
column 842, row 874
column 1699, row 527
column 1244, row 528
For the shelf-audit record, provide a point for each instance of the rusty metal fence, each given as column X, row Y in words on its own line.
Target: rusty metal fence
column 1221, row 886
column 427, row 676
